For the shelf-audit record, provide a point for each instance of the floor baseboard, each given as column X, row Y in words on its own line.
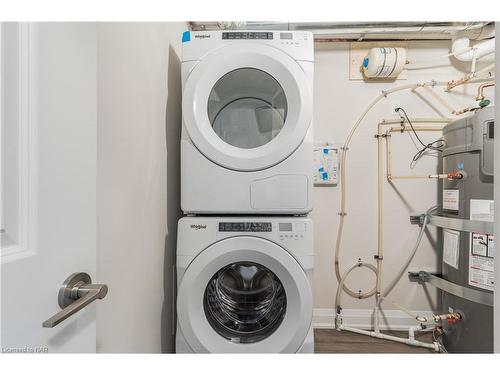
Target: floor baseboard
column 389, row 319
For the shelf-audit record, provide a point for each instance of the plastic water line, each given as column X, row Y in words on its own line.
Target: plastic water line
column 409, row 341
column 343, row 279
column 406, row 264
column 379, row 296
column 343, row 185
column 417, row 66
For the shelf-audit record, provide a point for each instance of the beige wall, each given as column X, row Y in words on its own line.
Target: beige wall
column 338, row 102
column 138, row 109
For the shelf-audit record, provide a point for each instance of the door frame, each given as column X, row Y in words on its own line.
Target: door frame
column 24, row 243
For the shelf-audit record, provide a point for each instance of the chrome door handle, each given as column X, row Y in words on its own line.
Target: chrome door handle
column 76, row 292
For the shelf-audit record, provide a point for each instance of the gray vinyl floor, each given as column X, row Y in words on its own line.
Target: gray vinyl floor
column 333, row 341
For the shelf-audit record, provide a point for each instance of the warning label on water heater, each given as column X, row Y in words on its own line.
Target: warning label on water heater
column 482, row 247
column 451, row 200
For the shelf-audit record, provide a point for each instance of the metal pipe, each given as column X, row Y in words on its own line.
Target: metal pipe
column 481, row 88
column 470, row 78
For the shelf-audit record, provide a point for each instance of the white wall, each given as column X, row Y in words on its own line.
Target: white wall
column 139, row 92
column 138, row 109
column 338, row 102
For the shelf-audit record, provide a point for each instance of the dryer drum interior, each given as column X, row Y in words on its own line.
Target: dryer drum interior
column 245, row 302
column 247, row 108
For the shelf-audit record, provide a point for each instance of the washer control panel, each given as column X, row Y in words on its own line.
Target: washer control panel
column 245, row 226
column 282, row 231
column 291, row 231
column 247, row 35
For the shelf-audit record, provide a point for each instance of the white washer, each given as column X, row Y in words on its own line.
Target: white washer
column 244, row 285
column 247, row 130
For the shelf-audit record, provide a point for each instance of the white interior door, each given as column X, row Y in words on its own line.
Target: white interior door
column 48, row 155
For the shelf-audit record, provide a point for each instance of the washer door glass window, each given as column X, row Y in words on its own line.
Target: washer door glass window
column 247, row 108
column 245, row 302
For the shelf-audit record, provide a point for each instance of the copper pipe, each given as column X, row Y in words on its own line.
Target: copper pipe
column 481, row 88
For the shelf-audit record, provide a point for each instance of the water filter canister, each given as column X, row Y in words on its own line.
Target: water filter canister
column 384, row 62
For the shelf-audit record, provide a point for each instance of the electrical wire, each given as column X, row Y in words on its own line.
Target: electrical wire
column 434, row 145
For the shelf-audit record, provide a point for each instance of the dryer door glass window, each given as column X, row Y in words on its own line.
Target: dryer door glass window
column 247, row 108
column 244, row 302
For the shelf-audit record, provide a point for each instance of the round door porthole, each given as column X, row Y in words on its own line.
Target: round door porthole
column 244, row 302
column 247, row 108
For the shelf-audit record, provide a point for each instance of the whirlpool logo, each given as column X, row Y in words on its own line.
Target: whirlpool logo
column 202, row 36
column 198, row 226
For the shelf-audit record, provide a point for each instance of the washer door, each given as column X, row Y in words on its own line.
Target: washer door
column 244, row 294
column 247, row 107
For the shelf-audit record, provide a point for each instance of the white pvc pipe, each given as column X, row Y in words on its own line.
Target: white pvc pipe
column 462, row 43
column 408, row 341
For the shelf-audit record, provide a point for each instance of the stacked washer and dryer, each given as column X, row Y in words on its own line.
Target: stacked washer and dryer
column 245, row 248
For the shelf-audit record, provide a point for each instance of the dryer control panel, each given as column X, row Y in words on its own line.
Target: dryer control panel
column 298, row 44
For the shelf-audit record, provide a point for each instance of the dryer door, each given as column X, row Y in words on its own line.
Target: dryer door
column 247, row 107
column 244, row 294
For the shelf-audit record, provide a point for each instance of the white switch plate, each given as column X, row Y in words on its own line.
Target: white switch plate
column 358, row 52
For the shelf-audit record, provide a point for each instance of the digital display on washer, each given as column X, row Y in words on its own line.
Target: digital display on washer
column 245, row 227
column 285, row 227
column 286, row 36
column 247, row 35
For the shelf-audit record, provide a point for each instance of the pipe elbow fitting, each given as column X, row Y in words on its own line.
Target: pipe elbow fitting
column 462, row 50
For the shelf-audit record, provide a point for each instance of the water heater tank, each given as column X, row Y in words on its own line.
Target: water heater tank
column 384, row 62
column 468, row 256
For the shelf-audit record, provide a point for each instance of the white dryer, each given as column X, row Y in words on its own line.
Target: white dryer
column 247, row 131
column 244, row 285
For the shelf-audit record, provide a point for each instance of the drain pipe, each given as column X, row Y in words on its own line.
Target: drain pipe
column 409, row 341
column 462, row 43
